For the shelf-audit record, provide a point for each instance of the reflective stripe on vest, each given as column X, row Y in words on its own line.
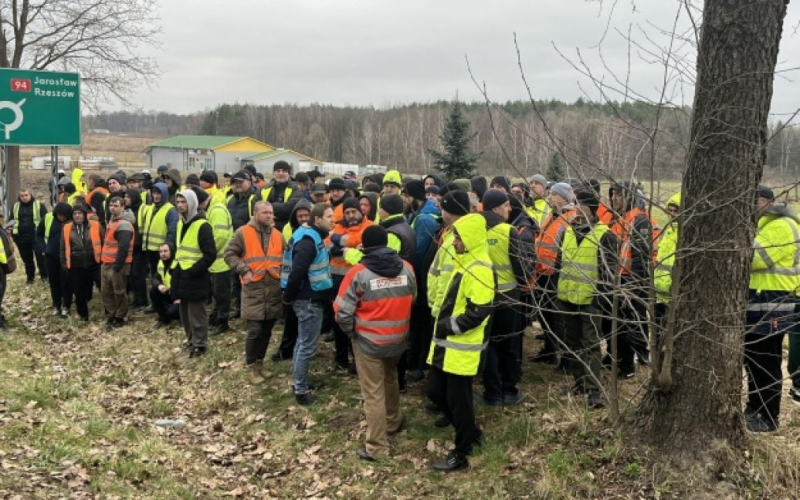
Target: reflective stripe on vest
column 48, row 223
column 94, row 237
column 155, row 227
column 110, row 245
column 221, row 222
column 319, row 272
column 287, row 193
column 577, row 281
column 188, row 253
column 779, row 276
column 259, row 261
column 498, row 241
column 37, row 216
column 546, row 245
column 163, row 272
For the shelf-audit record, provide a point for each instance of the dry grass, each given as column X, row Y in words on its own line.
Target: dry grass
column 126, row 149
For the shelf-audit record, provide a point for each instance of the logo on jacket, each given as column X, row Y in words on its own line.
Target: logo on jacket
column 382, row 283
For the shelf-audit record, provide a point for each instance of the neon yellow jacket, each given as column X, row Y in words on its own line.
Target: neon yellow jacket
column 776, row 255
column 665, row 258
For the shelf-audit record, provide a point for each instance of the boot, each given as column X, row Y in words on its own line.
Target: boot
column 256, row 373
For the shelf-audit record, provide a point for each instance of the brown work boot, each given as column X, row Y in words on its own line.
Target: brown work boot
column 256, row 373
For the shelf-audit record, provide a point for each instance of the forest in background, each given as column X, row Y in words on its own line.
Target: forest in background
column 599, row 140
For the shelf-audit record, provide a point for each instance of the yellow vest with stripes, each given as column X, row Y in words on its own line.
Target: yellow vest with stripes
column 154, row 231
column 497, row 243
column 188, row 253
column 577, row 281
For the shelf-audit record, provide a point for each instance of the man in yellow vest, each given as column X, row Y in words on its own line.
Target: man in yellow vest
column 589, row 262
column 282, row 193
column 165, row 306
column 460, row 335
column 538, row 208
column 770, row 309
column 255, row 254
column 503, row 369
column 158, row 225
column 28, row 213
column 191, row 280
column 222, row 226
column 208, row 181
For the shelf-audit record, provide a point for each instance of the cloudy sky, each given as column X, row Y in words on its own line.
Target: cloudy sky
column 380, row 52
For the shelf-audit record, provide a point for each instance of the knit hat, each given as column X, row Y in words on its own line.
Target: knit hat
column 282, row 165
column 209, row 176
column 564, row 190
column 192, row 180
column 120, row 179
column 456, row 202
column 201, row 194
column 765, row 192
column 337, row 183
column 503, row 181
column 393, row 177
column 80, row 207
column 250, row 169
column 539, row 178
column 371, row 187
column 416, row 190
column 588, row 198
column 432, row 189
column 374, row 236
column 351, row 203
column 302, row 177
column 63, row 208
column 392, row 204
column 479, row 185
column 493, row 199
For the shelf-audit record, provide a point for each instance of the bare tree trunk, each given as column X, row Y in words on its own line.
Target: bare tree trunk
column 699, row 415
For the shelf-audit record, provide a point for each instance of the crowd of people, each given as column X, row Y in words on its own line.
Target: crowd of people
column 410, row 278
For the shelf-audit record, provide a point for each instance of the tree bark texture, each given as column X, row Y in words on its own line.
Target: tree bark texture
column 700, row 413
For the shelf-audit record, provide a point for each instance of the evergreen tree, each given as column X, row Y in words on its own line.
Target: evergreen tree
column 457, row 161
column 555, row 171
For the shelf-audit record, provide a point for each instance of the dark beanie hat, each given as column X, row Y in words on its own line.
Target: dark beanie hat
column 120, row 179
column 250, row 169
column 587, row 197
column 374, row 236
column 80, row 207
column 337, row 183
column 493, row 199
column 478, row 184
column 208, row 176
column 282, row 165
column 192, row 180
column 392, row 203
column 432, row 189
column 371, row 187
column 202, row 196
column 63, row 208
column 765, row 192
column 302, row 177
column 456, row 202
column 351, row 203
column 416, row 189
column 70, row 188
column 502, row 180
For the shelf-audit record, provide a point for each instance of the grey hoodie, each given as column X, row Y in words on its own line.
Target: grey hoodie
column 191, row 200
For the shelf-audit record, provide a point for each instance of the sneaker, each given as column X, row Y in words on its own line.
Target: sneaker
column 64, row 312
column 794, row 395
column 595, row 401
column 625, row 374
column 306, row 399
column 760, row 423
column 197, row 352
column 55, row 311
column 364, row 455
column 452, row 462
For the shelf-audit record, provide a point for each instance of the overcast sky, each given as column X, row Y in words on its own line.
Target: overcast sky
column 380, row 52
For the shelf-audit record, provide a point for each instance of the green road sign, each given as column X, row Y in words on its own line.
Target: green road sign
column 39, row 108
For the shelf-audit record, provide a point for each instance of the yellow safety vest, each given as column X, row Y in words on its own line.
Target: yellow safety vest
column 497, row 240
column 440, row 272
column 154, row 230
column 141, row 216
column 287, row 193
column 48, row 223
column 188, row 253
column 777, row 254
column 3, row 252
column 577, row 281
column 222, row 226
column 37, row 216
column 164, row 273
column 665, row 260
column 539, row 211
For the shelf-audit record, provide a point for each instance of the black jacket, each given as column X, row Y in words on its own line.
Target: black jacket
column 514, row 246
column 25, row 225
column 399, row 227
column 194, row 284
column 80, row 243
column 281, row 204
column 240, row 207
column 297, row 285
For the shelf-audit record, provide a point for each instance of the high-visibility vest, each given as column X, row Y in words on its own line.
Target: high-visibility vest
column 665, row 260
column 71, row 198
column 154, row 231
column 605, row 215
column 188, row 253
column 111, row 246
column 777, row 255
column 351, row 238
column 539, row 210
column 260, row 262
column 440, row 271
column 37, row 216
column 141, row 216
column 48, row 224
column 498, row 244
column 287, row 232
column 100, row 190
column 222, row 225
column 319, row 273
column 94, row 236
column 577, row 281
column 287, row 193
column 547, row 243
column 622, row 229
column 3, row 252
column 164, row 274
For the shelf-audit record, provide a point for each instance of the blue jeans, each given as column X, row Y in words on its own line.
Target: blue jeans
column 309, row 323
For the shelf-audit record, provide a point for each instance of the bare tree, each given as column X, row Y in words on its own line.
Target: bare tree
column 97, row 38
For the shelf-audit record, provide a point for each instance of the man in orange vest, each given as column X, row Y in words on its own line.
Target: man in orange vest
column 373, row 309
column 345, row 236
column 548, row 260
column 116, row 260
column 634, row 231
column 255, row 254
column 97, row 196
column 81, row 249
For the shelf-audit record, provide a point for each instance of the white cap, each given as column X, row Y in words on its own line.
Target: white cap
column 61, row 171
column 145, row 171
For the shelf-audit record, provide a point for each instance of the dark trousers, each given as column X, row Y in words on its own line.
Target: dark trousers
column 194, row 317
column 258, row 335
column 81, row 281
column 419, row 336
column 632, row 333
column 794, row 348
column 503, row 367
column 60, row 292
column 235, row 291
column 138, row 279
column 3, row 283
column 343, row 346
column 221, row 291
column 583, row 335
column 27, row 254
column 548, row 319
column 152, row 261
column 289, row 337
column 163, row 305
column 453, row 394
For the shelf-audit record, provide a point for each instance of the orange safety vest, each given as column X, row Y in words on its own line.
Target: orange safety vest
column 110, row 245
column 353, row 236
column 622, row 230
column 94, row 191
column 547, row 245
column 605, row 215
column 261, row 263
column 94, row 235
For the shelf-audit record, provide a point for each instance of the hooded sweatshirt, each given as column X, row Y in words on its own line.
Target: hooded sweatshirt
column 373, row 203
column 172, row 215
column 194, row 284
column 292, row 226
column 53, row 245
column 176, row 184
column 437, row 180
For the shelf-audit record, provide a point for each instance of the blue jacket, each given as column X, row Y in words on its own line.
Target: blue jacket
column 425, row 224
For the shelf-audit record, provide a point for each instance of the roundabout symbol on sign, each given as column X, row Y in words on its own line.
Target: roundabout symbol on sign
column 16, row 107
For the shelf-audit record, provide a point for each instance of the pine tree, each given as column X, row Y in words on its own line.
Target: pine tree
column 555, row 171
column 457, row 161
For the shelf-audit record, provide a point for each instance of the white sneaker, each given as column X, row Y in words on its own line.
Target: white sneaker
column 54, row 311
column 64, row 312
